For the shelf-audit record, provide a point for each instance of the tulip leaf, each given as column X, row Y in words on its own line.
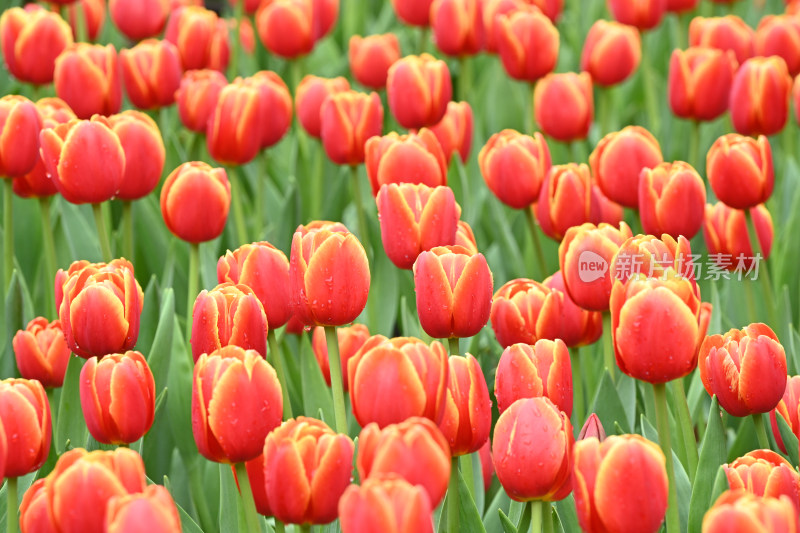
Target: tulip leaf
column 18, row 312
column 567, row 515
column 179, row 410
column 508, row 525
column 160, row 350
column 789, row 439
column 712, row 455
column 316, row 393
column 720, row 485
column 626, row 389
column 608, row 406
column 491, row 518
column 409, row 322
column 520, row 514
column 80, row 231
column 381, row 311
column 230, row 511
column 469, row 518
column 70, row 425
column 187, row 524
column 745, row 439
column 148, row 321
column 477, row 480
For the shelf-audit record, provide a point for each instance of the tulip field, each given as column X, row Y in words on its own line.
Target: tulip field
column 400, row 266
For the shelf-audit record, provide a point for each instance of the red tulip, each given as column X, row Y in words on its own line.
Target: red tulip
column 700, row 80
column 779, row 35
column 370, row 58
column 41, row 352
column 20, row 123
column 153, row 510
column 654, row 258
column 672, row 200
column 87, row 77
column 725, row 33
column 25, row 418
column 528, row 44
column 139, row 20
column 611, row 52
column 514, row 166
column 290, row 28
column 413, row 12
column 576, row 326
column 789, row 408
column 415, row 158
column 347, row 120
column 457, row 26
column 643, row 14
column 350, row 340
column 454, row 131
column 31, row 40
column 729, row 241
column 681, row 6
column 144, row 149
column 468, row 409
column 385, row 505
column 740, row 510
column 195, row 199
column 418, row 89
column 152, row 73
column 764, row 473
column 466, row 238
column 201, row 37
column 758, row 81
column 564, row 106
column 92, row 14
column 310, row 95
column 197, row 97
column 740, row 170
column 532, row 371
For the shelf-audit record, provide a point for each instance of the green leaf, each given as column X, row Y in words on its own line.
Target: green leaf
column 789, row 439
column 712, row 455
column 160, row 352
column 567, row 515
column 18, row 312
column 149, row 318
column 381, row 311
column 187, row 524
column 477, row 480
column 469, row 519
column 720, row 484
column 491, row 519
column 179, row 410
column 745, row 439
column 316, row 394
column 608, row 406
column 229, row 501
column 508, row 525
column 70, row 425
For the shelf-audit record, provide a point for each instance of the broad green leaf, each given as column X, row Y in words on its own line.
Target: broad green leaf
column 505, row 521
column 712, row 455
column 469, row 519
column 477, row 480
column 317, row 396
column 179, row 382
column 491, row 518
column 567, row 514
column 229, row 502
column 148, row 321
column 745, row 439
column 720, row 484
column 18, row 312
column 607, row 405
column 789, row 439
column 70, row 425
column 160, row 352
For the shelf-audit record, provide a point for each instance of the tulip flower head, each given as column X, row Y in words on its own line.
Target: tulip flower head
column 454, row 131
column 740, row 170
column 760, row 94
column 724, row 33
column 144, row 148
column 195, row 200
column 370, row 58
column 153, row 510
column 789, row 408
column 309, row 97
column 139, row 20
column 19, row 124
column 611, row 52
column 514, row 165
column 201, row 37
column 741, row 509
column 457, row 26
column 672, row 198
column 528, row 43
column 642, row 14
column 564, row 105
column 467, row 417
column 87, row 77
column 25, row 419
column 369, row 507
column 197, row 97
column 418, row 89
column 31, row 39
column 152, row 72
column 41, row 352
column 347, row 120
column 729, row 241
column 700, row 80
column 413, row 158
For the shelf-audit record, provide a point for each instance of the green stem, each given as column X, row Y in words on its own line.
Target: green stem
column 279, row 527
column 102, row 233
column 536, row 516
column 547, row 517
column 464, row 77
column 191, row 290
column 605, row 106
column 236, row 52
column 452, row 498
column 362, row 220
column 49, row 249
column 277, row 361
column 761, row 432
column 766, row 282
column 261, row 196
column 694, row 146
column 339, row 414
column 305, row 528
column 296, row 72
column 648, row 75
column 127, row 230
column 577, row 388
column 197, row 493
column 662, row 418
column 469, row 473
column 12, row 507
column 250, row 514
column 423, row 40
column 81, row 31
column 686, row 427
column 537, row 246
column 751, row 301
column 530, row 124
column 453, row 344
column 608, row 346
column 236, row 200
column 8, row 230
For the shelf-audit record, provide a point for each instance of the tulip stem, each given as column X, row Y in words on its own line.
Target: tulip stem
column 464, row 77
column 191, row 289
column 662, row 419
column 8, row 231
column 49, row 250
column 238, row 13
column 423, row 40
column 605, row 105
column 279, row 527
column 453, row 344
column 577, row 388
column 694, row 146
column 469, row 473
column 537, row 246
column 608, row 346
column 648, row 75
column 12, row 520
column 686, row 427
column 761, row 432
column 102, row 234
column 339, row 414
column 536, row 515
column 530, row 123
column 250, row 514
column 236, row 181
column 362, row 221
column 452, row 498
column 766, row 282
column 127, row 230
column 277, row 361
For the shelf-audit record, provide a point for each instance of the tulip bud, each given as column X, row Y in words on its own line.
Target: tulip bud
column 413, row 12
column 285, row 27
column 228, row 315
column 224, row 431
column 350, row 340
column 87, row 78
column 454, row 131
column 201, row 37
column 381, row 504
column 745, row 368
column 418, row 89
column 575, row 326
column 79, row 177
column 99, row 306
column 329, row 277
column 623, row 478
column 564, row 105
column 153, row 510
column 139, row 20
column 738, row 509
column 392, row 380
column 764, row 473
column 415, row 218
column 141, row 141
column 466, row 238
column 311, row 93
column 729, row 241
column 152, row 73
column 195, row 200
column 233, row 135
column 779, row 35
column 414, row 450
column 532, row 451
column 724, row 33
column 740, row 170
column 672, row 200
column 467, row 417
column 642, row 14
column 41, row 352
column 275, row 106
column 118, row 397
column 700, row 80
column 760, row 94
column 457, row 26
column 414, row 158
column 532, row 371
column 370, row 58
column 92, row 15
column 611, row 52
column 517, row 312
column 454, row 291
column 528, row 44
column 592, row 429
column 31, row 40
column 347, row 120
column 585, row 256
column 514, row 166
column 25, row 419
column 264, row 269
column 788, row 408
column 307, row 468
column 20, row 123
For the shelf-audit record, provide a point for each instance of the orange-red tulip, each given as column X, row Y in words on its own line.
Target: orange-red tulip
column 418, row 89
column 41, row 352
column 517, row 312
column 466, row 238
column 144, row 148
column 740, row 170
column 745, row 368
column 672, row 200
column 514, row 166
column 642, row 14
column 611, row 52
column 700, row 80
column 370, row 58
column 258, row 483
column 532, row 371
column 25, row 418
column 310, row 95
column 564, row 106
column 414, row 450
column 592, row 428
column 347, row 120
column 328, row 277
column 789, row 408
column 764, row 473
column 34, row 509
column 728, row 238
column 457, row 26
column 492, row 11
column 153, row 510
column 307, row 467
column 99, row 306
column 195, row 200
column 201, row 37
column 197, row 97
column 350, row 339
column 681, row 6
column 724, row 33
column 20, row 123
column 290, row 28
column 454, row 131
column 87, row 78
column 151, row 71
column 92, row 15
column 760, row 94
column 413, row 12
column 236, row 402
column 619, row 482
column 414, row 158
column 738, row 510
column 392, row 505
column 654, row 257
column 528, row 44
column 576, row 326
column 31, row 40
column 139, row 20
column 467, row 417
column 532, row 451
column 233, row 135
column 779, row 35
column 118, row 397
